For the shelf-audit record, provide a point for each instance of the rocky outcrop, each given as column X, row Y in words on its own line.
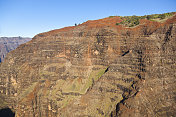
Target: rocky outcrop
column 8, row 44
column 94, row 69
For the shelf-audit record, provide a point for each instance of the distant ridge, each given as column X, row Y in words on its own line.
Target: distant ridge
column 8, row 44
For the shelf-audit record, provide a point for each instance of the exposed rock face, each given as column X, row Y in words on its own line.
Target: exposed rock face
column 8, row 44
column 94, row 69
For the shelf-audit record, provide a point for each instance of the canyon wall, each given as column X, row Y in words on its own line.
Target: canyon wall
column 94, row 69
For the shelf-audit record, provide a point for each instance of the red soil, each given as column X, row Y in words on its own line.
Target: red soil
column 111, row 22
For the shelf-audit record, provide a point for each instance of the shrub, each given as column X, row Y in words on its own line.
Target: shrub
column 132, row 21
column 162, row 16
column 117, row 23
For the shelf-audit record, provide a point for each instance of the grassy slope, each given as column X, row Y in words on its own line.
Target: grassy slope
column 131, row 21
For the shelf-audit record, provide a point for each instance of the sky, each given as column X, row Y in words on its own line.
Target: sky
column 27, row 18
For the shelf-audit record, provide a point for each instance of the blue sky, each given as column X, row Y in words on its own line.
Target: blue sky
column 30, row 17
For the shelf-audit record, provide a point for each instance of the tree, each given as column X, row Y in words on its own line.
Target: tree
column 149, row 17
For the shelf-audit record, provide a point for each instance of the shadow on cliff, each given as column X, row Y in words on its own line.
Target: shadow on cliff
column 6, row 112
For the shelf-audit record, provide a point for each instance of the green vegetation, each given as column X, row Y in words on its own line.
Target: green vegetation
column 81, row 87
column 94, row 76
column 131, row 21
column 111, row 16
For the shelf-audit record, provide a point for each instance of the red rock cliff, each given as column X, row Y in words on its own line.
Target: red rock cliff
column 94, row 69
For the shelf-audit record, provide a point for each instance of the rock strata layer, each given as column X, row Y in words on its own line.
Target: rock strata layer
column 94, row 69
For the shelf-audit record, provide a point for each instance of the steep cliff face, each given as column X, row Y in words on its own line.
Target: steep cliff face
column 8, row 44
column 94, row 69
